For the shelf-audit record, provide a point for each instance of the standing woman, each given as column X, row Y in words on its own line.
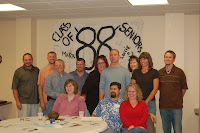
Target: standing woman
column 133, row 63
column 90, row 90
column 148, row 80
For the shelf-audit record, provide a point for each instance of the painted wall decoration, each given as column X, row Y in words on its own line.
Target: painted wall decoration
column 89, row 39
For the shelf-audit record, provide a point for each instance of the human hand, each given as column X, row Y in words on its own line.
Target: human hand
column 130, row 127
column 141, row 127
column 81, row 98
column 19, row 105
column 62, row 94
column 42, row 105
column 153, row 117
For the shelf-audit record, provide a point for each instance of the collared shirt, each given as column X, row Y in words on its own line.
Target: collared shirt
column 171, row 85
column 108, row 110
column 54, row 84
column 44, row 72
column 25, row 82
column 79, row 80
column 64, row 107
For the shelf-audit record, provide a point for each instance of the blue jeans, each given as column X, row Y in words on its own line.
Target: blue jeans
column 135, row 130
column 152, row 107
column 171, row 117
column 48, row 106
column 109, row 130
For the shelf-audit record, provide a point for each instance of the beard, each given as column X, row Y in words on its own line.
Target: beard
column 113, row 95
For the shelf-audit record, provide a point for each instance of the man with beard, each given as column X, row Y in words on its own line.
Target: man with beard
column 25, row 89
column 172, row 88
column 44, row 72
column 108, row 109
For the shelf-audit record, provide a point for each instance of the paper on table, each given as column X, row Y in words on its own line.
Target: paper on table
column 91, row 119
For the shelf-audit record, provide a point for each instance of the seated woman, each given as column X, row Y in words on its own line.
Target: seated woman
column 133, row 111
column 69, row 104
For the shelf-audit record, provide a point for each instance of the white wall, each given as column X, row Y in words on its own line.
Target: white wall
column 153, row 42
column 8, row 66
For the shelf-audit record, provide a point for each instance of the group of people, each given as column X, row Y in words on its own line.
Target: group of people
column 125, row 99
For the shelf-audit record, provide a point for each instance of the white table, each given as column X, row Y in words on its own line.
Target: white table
column 33, row 125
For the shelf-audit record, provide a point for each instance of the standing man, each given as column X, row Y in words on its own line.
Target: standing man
column 108, row 109
column 25, row 89
column 44, row 72
column 172, row 88
column 80, row 74
column 54, row 84
column 114, row 73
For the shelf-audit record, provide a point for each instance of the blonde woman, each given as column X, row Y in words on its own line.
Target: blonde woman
column 133, row 111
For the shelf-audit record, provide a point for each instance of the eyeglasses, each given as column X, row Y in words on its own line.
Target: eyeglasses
column 101, row 63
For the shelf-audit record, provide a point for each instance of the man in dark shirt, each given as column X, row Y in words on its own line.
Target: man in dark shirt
column 172, row 88
column 80, row 74
column 25, row 89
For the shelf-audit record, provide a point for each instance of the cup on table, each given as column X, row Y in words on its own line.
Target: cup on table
column 40, row 115
column 81, row 113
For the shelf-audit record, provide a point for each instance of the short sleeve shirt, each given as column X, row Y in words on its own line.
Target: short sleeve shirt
column 108, row 110
column 25, row 82
column 145, row 81
column 44, row 72
column 170, row 87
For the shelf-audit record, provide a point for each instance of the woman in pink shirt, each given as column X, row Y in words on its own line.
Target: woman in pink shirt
column 69, row 104
column 133, row 111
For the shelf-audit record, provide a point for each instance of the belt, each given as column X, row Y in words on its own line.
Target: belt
column 48, row 97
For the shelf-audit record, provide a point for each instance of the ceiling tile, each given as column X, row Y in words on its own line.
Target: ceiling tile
column 22, row 1
column 109, row 3
column 54, row 9
column 70, row 4
column 84, row 10
column 115, row 9
column 51, row 12
column 32, row 6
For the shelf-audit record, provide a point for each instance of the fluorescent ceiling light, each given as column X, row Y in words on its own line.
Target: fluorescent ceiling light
column 10, row 7
column 148, row 2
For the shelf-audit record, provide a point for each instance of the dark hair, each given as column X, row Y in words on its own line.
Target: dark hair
column 103, row 57
column 117, row 84
column 73, row 82
column 27, row 54
column 171, row 52
column 132, row 57
column 81, row 59
column 146, row 55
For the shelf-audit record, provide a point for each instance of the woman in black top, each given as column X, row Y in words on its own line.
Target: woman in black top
column 148, row 80
column 90, row 90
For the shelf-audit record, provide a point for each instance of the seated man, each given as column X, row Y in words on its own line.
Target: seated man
column 108, row 109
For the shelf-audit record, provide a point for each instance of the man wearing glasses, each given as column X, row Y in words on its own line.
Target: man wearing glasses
column 54, row 84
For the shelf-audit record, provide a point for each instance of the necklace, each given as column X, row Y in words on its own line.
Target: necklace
column 168, row 71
